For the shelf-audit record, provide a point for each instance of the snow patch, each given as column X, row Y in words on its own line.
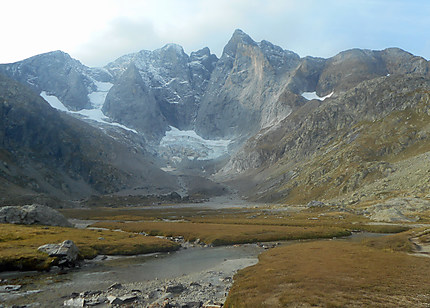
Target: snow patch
column 186, row 143
column 53, row 101
column 313, row 95
column 91, row 114
column 97, row 98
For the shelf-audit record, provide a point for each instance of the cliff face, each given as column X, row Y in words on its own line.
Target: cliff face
column 244, row 91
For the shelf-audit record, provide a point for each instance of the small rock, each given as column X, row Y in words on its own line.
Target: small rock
column 195, row 284
column 192, row 305
column 128, row 298
column 113, row 300
column 10, row 288
column 115, row 286
column 75, row 302
column 175, row 288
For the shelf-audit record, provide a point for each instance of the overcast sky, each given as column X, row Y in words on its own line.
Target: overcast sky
column 99, row 31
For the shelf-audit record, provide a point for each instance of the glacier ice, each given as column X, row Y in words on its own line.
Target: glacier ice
column 187, row 143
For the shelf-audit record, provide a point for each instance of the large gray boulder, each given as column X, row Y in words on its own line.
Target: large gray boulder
column 34, row 214
column 67, row 252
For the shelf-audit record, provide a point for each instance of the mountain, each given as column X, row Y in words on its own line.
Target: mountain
column 275, row 126
column 174, row 84
column 246, row 87
column 46, row 152
column 332, row 148
column 58, row 74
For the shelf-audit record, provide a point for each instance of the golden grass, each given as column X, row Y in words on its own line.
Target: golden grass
column 136, row 214
column 18, row 244
column 395, row 242
column 313, row 217
column 224, row 234
column 332, row 274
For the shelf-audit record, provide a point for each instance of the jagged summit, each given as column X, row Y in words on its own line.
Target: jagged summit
column 239, row 37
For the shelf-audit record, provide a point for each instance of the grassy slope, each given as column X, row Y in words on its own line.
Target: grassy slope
column 358, row 156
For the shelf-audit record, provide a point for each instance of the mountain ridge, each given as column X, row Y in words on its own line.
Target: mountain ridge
column 268, row 111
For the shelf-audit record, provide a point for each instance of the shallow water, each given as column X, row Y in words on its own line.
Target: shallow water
column 98, row 275
column 53, row 288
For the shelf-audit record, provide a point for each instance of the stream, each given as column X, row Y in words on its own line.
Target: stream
column 208, row 266
column 53, row 288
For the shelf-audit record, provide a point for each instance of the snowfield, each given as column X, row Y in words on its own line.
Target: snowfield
column 313, row 95
column 95, row 114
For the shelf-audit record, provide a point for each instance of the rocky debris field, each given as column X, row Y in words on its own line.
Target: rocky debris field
column 202, row 289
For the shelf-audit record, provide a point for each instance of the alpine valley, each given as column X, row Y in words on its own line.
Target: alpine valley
column 256, row 149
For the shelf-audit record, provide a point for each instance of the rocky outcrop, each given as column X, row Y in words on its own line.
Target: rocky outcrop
column 33, row 214
column 131, row 102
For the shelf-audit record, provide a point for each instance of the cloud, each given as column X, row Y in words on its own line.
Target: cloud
column 121, row 36
column 98, row 31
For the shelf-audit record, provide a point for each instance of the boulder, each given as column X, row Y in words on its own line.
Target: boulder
column 67, row 252
column 33, row 214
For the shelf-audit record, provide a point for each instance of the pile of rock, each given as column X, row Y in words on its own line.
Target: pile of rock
column 161, row 294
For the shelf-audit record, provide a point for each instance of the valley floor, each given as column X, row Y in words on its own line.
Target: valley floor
column 311, row 270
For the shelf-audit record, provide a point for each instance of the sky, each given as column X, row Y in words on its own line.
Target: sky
column 97, row 32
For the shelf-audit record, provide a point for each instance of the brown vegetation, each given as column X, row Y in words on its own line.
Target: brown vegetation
column 332, row 274
column 224, row 234
column 18, row 244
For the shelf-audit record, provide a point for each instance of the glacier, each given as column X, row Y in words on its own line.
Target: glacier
column 187, row 143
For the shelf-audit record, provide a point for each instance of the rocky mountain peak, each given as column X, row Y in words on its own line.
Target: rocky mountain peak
column 172, row 53
column 239, row 37
column 55, row 73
